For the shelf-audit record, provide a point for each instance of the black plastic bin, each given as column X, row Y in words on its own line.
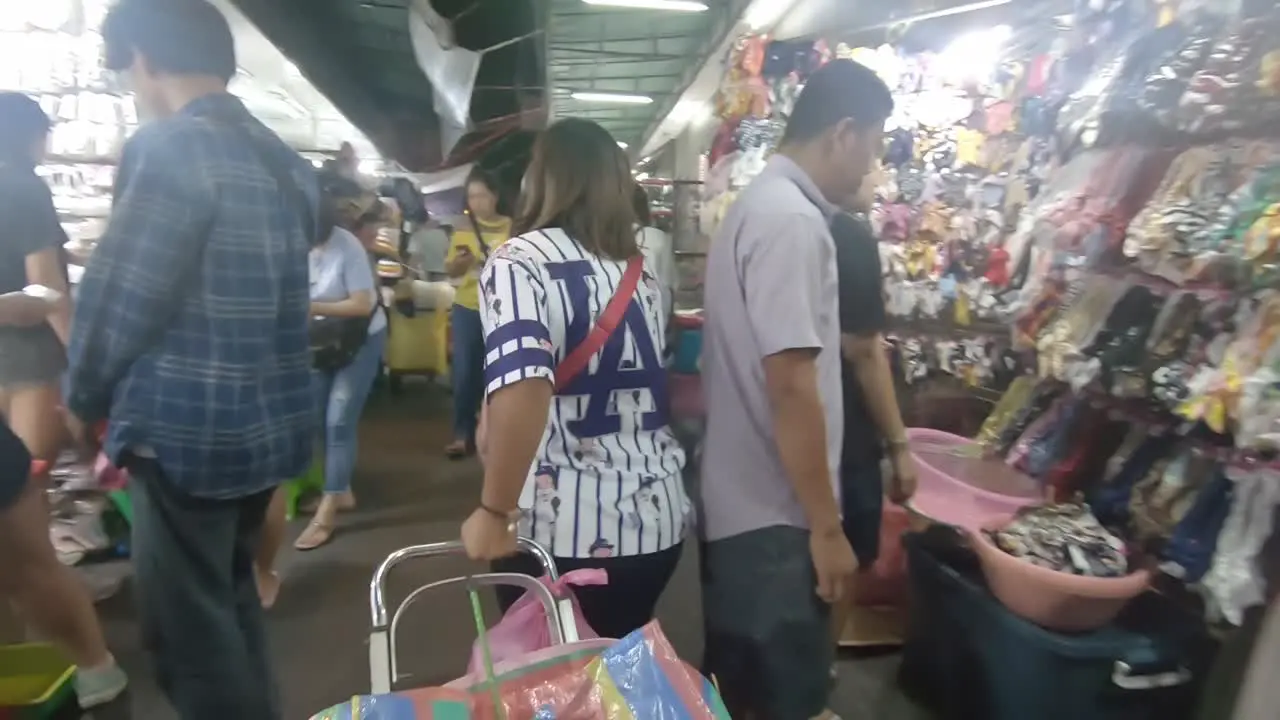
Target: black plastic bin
column 968, row 658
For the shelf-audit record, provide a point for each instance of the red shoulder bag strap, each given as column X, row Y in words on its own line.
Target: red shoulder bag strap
column 576, row 361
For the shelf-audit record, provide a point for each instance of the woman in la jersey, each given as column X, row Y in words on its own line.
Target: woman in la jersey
column 481, row 232
column 580, row 456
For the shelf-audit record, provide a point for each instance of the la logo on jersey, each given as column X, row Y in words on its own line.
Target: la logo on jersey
column 614, row 380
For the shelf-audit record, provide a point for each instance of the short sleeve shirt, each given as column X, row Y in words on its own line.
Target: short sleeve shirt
column 30, row 224
column 340, row 268
column 771, row 286
column 607, row 478
column 862, row 314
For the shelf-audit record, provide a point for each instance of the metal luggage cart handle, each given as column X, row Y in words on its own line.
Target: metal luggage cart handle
column 383, row 670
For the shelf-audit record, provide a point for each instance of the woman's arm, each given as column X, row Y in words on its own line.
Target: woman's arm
column 45, row 268
column 357, row 304
column 518, row 414
column 518, row 378
column 18, row 309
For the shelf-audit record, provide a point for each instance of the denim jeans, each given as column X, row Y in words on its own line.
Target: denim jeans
column 468, row 371
column 198, row 600
column 340, row 397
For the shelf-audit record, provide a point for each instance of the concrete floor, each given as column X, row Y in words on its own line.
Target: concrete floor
column 410, row 494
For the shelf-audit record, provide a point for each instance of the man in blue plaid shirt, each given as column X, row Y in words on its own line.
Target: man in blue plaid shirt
column 190, row 338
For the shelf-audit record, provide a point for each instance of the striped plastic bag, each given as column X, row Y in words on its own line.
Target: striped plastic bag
column 637, row 678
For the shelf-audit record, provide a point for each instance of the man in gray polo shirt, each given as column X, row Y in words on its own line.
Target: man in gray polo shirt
column 775, row 556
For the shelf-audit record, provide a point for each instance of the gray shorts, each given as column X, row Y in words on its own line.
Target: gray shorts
column 30, row 356
column 768, row 636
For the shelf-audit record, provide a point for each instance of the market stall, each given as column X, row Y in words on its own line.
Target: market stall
column 1077, row 228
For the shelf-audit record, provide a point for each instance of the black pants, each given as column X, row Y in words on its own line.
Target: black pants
column 614, row 610
column 200, row 613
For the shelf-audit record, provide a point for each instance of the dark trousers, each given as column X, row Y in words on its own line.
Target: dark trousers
column 768, row 636
column 613, row 610
column 467, row 366
column 198, row 600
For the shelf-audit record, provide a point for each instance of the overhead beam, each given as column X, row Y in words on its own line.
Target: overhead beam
column 617, row 53
column 574, row 61
column 637, row 76
column 610, row 40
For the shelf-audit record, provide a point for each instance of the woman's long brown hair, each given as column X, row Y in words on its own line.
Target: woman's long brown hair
column 579, row 181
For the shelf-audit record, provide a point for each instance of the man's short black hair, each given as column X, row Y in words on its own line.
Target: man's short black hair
column 177, row 37
column 838, row 90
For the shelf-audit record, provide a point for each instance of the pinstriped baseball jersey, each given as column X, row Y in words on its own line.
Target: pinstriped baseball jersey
column 607, row 477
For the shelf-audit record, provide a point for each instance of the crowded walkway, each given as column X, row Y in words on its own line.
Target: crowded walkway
column 411, row 494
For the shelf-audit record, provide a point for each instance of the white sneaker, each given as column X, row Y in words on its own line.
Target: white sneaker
column 99, row 686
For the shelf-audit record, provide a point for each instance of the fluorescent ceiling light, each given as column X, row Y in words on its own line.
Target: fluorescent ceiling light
column 948, row 12
column 671, row 5
column 606, row 97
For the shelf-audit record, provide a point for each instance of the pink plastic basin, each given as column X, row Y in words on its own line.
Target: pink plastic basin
column 1051, row 599
column 959, row 487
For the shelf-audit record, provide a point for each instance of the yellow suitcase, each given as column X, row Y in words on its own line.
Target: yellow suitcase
column 418, row 345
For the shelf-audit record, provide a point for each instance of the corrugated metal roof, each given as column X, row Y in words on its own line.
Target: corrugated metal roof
column 359, row 53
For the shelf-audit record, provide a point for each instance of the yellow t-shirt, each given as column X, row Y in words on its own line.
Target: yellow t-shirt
column 495, row 233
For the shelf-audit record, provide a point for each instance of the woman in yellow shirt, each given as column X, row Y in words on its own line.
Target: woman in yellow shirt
column 478, row 235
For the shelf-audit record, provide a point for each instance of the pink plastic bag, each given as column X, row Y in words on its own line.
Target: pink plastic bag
column 524, row 628
column 109, row 476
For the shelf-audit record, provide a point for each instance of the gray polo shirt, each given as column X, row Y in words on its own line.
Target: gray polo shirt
column 770, row 287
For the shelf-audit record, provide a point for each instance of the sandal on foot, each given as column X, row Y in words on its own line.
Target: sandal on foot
column 457, row 450
column 315, row 535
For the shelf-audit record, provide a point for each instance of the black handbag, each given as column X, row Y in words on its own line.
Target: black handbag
column 335, row 341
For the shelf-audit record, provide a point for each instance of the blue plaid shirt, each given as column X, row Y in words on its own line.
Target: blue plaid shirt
column 190, row 331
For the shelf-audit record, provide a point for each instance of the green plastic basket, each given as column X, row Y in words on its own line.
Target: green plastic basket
column 35, row 682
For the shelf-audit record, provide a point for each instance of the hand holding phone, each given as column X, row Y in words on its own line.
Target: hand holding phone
column 465, row 258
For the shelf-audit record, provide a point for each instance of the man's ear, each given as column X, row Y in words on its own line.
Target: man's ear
column 846, row 132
